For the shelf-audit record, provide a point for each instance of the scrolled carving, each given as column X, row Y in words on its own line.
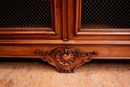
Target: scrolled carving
column 65, row 59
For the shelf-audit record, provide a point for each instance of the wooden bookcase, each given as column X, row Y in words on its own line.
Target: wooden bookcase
column 65, row 44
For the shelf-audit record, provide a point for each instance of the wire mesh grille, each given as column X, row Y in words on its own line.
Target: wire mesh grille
column 105, row 14
column 25, row 13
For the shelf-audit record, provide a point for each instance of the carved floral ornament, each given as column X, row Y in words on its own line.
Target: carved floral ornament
column 65, row 59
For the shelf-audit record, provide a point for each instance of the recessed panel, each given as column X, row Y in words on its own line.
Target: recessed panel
column 97, row 14
column 25, row 13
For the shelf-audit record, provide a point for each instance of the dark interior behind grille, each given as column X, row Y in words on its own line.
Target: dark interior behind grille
column 25, row 13
column 105, row 14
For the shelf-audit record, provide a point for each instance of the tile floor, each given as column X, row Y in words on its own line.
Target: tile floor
column 36, row 73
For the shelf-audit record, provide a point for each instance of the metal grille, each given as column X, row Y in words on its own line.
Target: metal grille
column 105, row 14
column 25, row 13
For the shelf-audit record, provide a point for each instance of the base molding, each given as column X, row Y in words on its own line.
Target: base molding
column 66, row 57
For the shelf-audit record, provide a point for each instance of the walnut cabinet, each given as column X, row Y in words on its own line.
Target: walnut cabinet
column 65, row 33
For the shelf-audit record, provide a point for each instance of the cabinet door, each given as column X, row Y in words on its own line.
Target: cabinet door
column 99, row 19
column 30, row 19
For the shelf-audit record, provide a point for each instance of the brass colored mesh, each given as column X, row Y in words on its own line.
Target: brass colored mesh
column 25, row 13
column 105, row 14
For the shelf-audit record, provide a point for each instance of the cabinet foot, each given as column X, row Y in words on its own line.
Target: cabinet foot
column 65, row 59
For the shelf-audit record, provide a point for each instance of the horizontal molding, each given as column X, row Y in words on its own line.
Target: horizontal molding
column 28, row 31
column 41, row 57
column 20, row 56
column 111, row 58
column 70, row 42
column 103, row 32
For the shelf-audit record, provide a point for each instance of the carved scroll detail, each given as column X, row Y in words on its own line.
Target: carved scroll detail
column 65, row 59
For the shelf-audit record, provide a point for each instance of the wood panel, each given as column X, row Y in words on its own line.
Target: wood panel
column 91, row 34
column 40, row 33
column 103, row 51
column 65, row 58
